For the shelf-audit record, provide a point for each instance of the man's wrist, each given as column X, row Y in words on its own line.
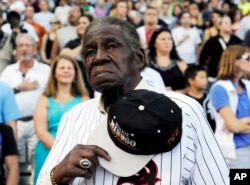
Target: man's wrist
column 16, row 90
column 52, row 178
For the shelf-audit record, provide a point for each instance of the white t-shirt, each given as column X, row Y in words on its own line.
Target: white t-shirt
column 187, row 49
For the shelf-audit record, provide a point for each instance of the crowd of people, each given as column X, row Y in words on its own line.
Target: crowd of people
column 60, row 54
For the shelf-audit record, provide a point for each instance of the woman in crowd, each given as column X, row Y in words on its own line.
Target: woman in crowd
column 196, row 17
column 230, row 97
column 236, row 16
column 65, row 89
column 212, row 30
column 164, row 58
column 73, row 47
column 48, row 39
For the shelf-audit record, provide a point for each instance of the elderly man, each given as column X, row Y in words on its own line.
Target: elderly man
column 114, row 59
column 28, row 78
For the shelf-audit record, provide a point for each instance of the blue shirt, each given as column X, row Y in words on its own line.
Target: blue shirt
column 8, row 106
column 220, row 99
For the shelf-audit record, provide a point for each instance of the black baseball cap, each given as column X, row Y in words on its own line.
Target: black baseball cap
column 139, row 125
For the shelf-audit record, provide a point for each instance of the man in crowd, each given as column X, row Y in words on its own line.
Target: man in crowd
column 28, row 78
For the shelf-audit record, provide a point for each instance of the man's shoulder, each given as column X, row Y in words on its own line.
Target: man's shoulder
column 183, row 101
column 43, row 66
column 10, row 68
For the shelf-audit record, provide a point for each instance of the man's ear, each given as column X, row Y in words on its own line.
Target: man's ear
column 140, row 58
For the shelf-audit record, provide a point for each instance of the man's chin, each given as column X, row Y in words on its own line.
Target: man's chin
column 25, row 59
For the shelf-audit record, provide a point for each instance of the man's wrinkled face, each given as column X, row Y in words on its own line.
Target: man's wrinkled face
column 109, row 59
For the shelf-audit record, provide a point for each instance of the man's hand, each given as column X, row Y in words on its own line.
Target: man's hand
column 185, row 37
column 28, row 86
column 69, row 168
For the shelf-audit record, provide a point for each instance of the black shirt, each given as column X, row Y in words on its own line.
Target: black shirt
column 211, row 53
column 8, row 146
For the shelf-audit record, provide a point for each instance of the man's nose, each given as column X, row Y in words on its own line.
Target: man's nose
column 101, row 56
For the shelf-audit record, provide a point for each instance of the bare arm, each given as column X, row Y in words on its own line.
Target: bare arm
column 55, row 49
column 234, row 124
column 11, row 162
column 41, row 122
column 71, row 52
column 43, row 48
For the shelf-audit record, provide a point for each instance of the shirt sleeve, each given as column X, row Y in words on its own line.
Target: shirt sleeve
column 219, row 97
column 10, row 108
column 8, row 141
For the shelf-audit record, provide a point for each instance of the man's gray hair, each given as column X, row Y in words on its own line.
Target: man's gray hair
column 128, row 30
column 25, row 35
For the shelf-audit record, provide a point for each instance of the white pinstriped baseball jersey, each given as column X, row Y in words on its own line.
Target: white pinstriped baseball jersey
column 196, row 160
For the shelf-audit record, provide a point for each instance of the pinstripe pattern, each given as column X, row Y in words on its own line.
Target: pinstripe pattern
column 196, row 160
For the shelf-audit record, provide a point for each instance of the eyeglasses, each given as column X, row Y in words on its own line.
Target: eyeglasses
column 25, row 45
column 55, row 22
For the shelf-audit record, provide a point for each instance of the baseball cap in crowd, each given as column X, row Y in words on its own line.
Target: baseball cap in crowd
column 139, row 125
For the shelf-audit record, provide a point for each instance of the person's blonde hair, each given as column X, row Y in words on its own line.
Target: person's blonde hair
column 227, row 70
column 78, row 87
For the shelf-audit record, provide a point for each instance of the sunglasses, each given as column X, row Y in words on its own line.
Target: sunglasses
column 245, row 57
column 55, row 22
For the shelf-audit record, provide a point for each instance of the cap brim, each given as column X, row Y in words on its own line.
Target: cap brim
column 122, row 164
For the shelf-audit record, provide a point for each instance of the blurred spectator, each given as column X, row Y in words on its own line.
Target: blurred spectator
column 197, row 82
column 17, row 6
column 8, row 157
column 28, row 78
column 73, row 48
column 86, row 7
column 150, row 23
column 65, row 34
column 230, row 97
column 48, row 39
column 62, row 12
column 133, row 12
column 170, row 20
column 15, row 26
column 225, row 8
column 6, row 48
column 163, row 58
column 40, row 30
column 9, row 111
column 244, row 6
column 196, row 17
column 100, row 10
column 65, row 89
column 215, row 5
column 213, row 48
column 244, row 26
column 177, row 10
column 186, row 39
column 236, row 15
column 212, row 30
column 44, row 16
column 247, row 38
column 121, row 11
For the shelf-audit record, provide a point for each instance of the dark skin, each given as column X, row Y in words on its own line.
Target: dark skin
column 112, row 69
